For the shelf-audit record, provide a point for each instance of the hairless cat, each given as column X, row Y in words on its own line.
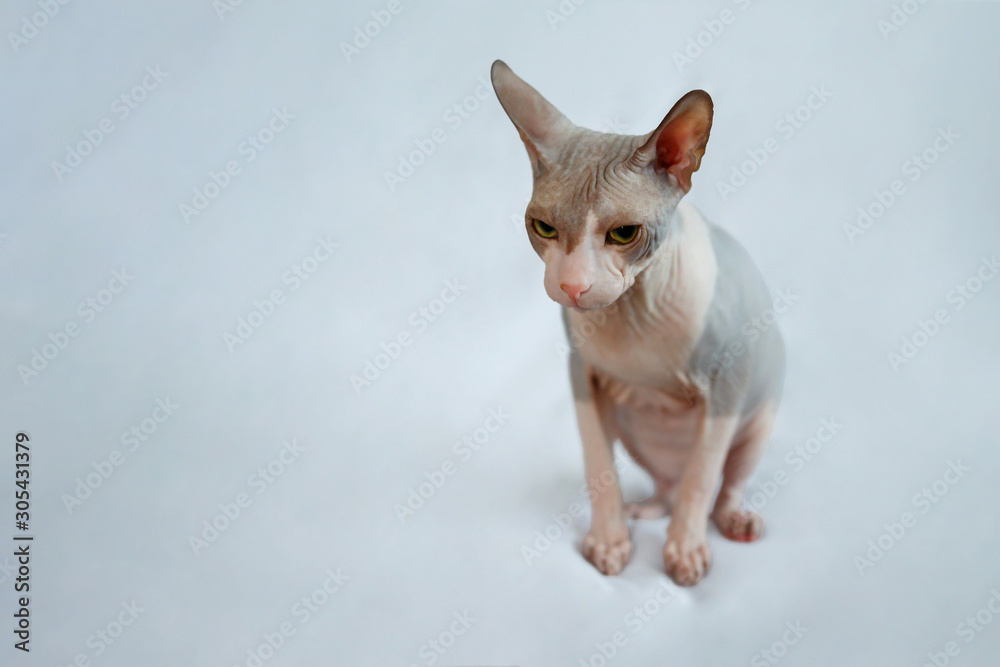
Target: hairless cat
column 672, row 360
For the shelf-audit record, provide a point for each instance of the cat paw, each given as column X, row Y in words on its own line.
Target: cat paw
column 608, row 549
column 687, row 559
column 739, row 525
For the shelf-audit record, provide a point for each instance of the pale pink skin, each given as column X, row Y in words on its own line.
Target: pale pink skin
column 646, row 320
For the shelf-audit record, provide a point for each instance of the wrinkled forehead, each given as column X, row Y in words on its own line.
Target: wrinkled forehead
column 590, row 177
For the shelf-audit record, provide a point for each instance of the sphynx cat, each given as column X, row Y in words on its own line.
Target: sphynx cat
column 663, row 311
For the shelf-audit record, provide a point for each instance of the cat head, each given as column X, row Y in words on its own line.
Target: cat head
column 601, row 203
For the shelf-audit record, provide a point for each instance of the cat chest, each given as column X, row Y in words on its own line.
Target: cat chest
column 634, row 361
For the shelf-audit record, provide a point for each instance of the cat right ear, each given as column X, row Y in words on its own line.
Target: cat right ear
column 676, row 146
column 542, row 127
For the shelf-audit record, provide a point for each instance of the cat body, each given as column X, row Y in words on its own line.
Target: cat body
column 674, row 351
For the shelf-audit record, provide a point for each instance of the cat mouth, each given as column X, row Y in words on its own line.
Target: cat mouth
column 586, row 309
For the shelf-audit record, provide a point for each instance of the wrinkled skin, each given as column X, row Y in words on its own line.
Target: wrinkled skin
column 670, row 353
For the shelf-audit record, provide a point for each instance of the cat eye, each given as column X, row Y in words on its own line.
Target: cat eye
column 624, row 234
column 544, row 230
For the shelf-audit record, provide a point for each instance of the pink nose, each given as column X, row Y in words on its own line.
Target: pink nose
column 574, row 292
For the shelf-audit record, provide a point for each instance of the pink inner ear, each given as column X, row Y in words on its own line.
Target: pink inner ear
column 680, row 145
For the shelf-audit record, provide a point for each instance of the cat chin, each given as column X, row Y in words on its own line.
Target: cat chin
column 588, row 309
column 579, row 309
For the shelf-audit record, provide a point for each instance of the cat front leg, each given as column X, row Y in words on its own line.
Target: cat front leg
column 686, row 556
column 608, row 545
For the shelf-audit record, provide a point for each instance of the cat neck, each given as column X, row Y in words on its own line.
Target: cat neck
column 678, row 284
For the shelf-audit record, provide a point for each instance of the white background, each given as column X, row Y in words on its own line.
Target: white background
column 608, row 64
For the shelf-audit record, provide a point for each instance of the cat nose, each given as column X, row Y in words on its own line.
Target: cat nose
column 574, row 291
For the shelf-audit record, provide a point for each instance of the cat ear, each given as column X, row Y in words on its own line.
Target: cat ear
column 676, row 146
column 542, row 127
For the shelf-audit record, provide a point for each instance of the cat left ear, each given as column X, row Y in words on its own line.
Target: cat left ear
column 676, row 146
column 542, row 127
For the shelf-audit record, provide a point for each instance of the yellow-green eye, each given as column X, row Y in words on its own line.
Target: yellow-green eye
column 544, row 230
column 624, row 234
